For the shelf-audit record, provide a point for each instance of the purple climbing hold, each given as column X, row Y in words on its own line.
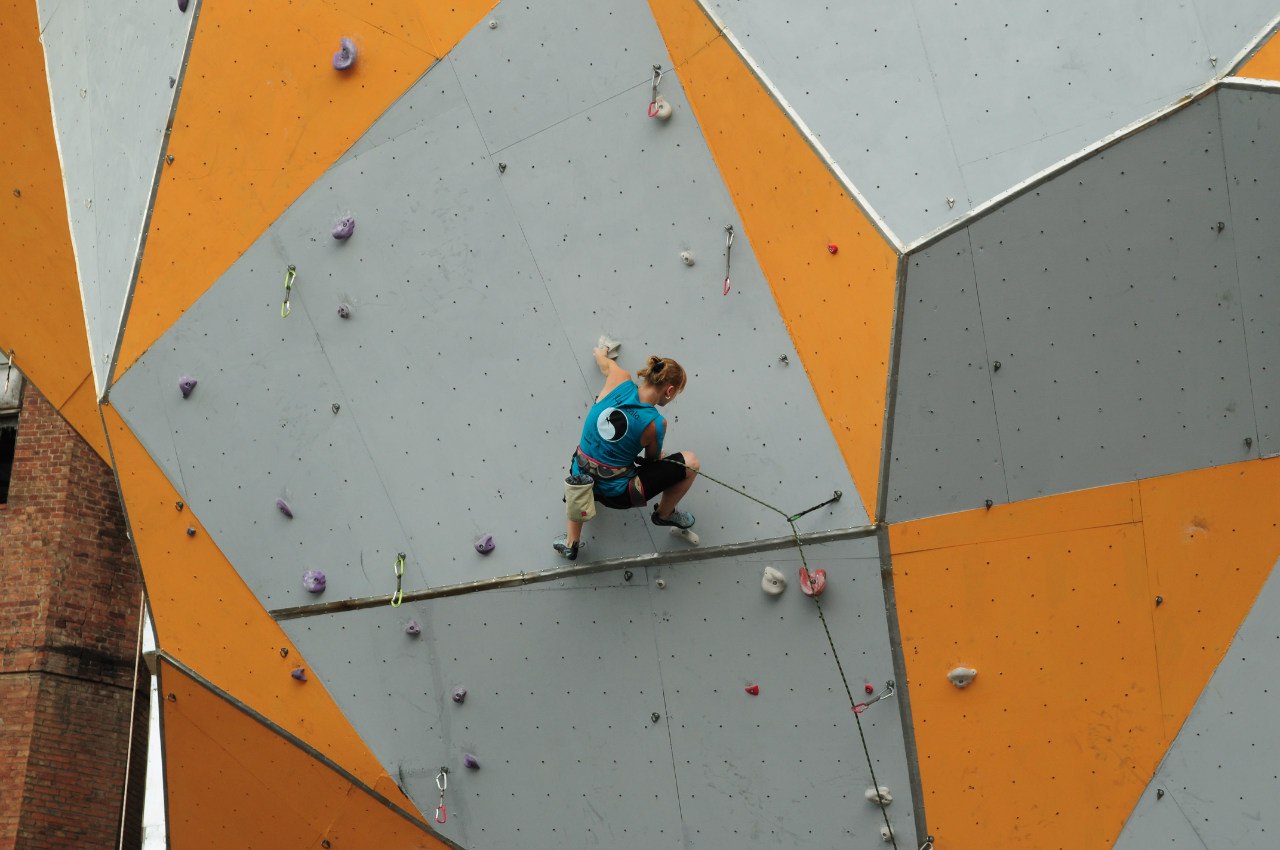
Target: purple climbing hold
column 344, row 310
column 469, row 760
column 284, row 508
column 300, row 674
column 459, row 695
column 314, row 581
column 186, row 384
column 182, row 5
column 346, row 55
column 413, row 629
column 484, row 544
column 344, row 228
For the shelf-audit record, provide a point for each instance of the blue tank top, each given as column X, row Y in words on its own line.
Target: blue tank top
column 613, row 430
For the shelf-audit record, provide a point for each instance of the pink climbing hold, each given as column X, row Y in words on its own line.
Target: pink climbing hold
column 484, row 544
column 346, row 55
column 459, row 695
column 412, row 629
column 344, row 228
column 186, row 384
column 470, row 761
column 284, row 508
column 754, row 690
column 813, row 585
column 299, row 673
column 314, row 581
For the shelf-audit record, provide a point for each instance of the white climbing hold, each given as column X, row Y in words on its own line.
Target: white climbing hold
column 686, row 257
column 962, row 676
column 773, row 582
column 493, row 24
column 661, row 108
column 687, row 534
column 610, row 346
column 886, row 834
column 881, row 795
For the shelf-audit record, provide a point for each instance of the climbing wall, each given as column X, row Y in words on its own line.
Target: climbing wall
column 992, row 290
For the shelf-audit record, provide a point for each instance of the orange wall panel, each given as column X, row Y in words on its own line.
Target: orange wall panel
column 1060, row 731
column 261, row 115
column 233, row 782
column 1213, row 537
column 838, row 307
column 42, row 319
column 207, row 618
column 1083, row 680
column 1265, row 64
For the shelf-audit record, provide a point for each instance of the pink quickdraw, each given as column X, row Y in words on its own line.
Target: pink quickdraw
column 442, row 782
column 728, row 250
column 859, row 707
column 653, row 91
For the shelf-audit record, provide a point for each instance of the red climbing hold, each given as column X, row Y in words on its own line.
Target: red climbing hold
column 813, row 585
column 833, row 248
column 754, row 690
column 869, row 688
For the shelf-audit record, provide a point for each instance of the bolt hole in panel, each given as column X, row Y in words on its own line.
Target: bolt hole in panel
column 562, row 682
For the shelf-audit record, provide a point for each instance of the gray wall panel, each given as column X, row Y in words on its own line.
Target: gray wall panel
column 534, row 70
column 924, row 101
column 1219, row 775
column 1111, row 300
column 465, row 367
column 109, row 70
column 1250, row 125
column 562, row 680
column 946, row 441
column 784, row 768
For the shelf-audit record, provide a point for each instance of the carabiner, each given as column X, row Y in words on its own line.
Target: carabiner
column 289, row 277
column 398, row 596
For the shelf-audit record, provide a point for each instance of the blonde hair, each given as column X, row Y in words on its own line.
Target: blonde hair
column 664, row 372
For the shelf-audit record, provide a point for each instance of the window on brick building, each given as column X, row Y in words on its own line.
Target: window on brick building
column 10, row 395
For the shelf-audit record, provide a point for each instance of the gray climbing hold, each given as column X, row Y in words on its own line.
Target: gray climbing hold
column 344, row 310
column 344, row 228
column 484, row 544
column 346, row 55
column 300, row 674
column 186, row 384
column 314, row 581
column 469, row 760
column 962, row 676
column 459, row 695
column 412, row 629
column 284, row 508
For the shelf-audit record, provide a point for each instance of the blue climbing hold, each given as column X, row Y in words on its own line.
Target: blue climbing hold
column 344, row 228
column 186, row 384
column 346, row 55
column 484, row 544
column 314, row 581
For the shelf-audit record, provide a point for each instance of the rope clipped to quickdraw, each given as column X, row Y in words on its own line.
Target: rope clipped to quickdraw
column 728, row 249
column 289, row 277
column 854, row 705
column 442, row 782
column 398, row 596
column 653, row 91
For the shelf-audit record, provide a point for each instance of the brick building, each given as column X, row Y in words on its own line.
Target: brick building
column 70, row 595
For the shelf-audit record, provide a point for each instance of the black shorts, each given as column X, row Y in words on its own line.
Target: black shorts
column 654, row 476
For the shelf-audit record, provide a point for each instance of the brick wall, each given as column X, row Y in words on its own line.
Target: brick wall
column 69, row 594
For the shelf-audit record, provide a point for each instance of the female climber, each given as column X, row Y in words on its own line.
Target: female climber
column 621, row 445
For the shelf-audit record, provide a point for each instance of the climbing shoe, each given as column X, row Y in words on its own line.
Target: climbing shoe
column 678, row 518
column 567, row 551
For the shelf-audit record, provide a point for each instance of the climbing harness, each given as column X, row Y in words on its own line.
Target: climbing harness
column 398, row 596
column 728, row 249
column 653, row 91
column 856, row 706
column 289, row 277
column 442, row 782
